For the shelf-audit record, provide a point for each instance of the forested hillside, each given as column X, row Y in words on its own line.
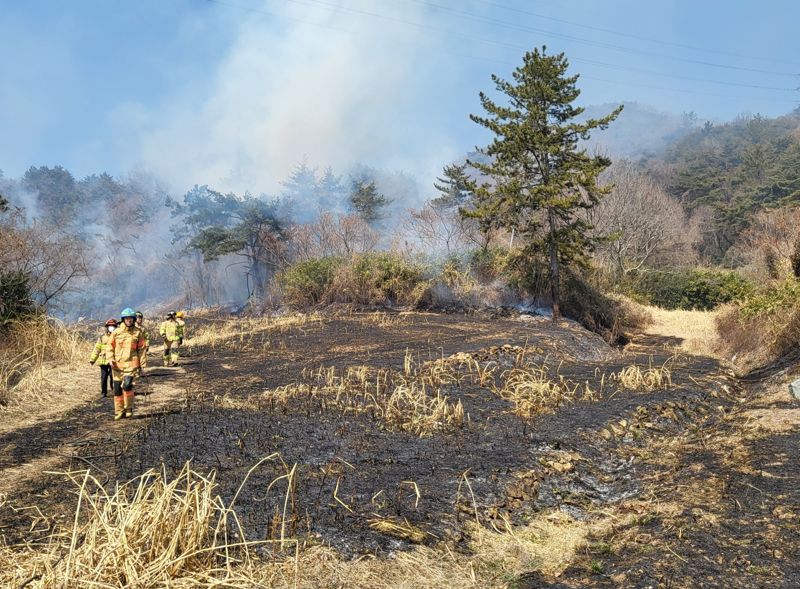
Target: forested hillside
column 726, row 173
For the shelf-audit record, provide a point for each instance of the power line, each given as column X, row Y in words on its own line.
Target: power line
column 525, row 28
column 634, row 36
column 485, row 41
column 619, row 83
column 351, row 10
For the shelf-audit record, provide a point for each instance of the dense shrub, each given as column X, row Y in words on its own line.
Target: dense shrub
column 691, row 288
column 392, row 275
column 15, row 297
column 488, row 264
column 368, row 279
column 306, row 283
column 763, row 328
column 774, row 297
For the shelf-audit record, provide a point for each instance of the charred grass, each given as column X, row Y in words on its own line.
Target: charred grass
column 461, row 452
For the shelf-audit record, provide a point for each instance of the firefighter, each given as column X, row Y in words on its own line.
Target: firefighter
column 170, row 330
column 179, row 318
column 99, row 356
column 140, row 325
column 127, row 356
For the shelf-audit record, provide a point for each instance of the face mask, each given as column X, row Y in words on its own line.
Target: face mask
column 110, row 329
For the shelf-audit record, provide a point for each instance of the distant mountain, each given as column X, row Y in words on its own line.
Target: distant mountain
column 640, row 130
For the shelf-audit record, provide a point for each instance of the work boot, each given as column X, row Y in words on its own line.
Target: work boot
column 128, row 404
column 166, row 359
column 119, row 408
column 174, row 359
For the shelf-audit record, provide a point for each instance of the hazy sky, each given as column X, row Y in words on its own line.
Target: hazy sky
column 234, row 92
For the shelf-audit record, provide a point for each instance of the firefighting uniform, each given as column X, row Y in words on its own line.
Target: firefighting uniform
column 172, row 332
column 99, row 356
column 181, row 330
column 128, row 349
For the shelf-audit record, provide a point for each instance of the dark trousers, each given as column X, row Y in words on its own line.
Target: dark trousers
column 105, row 379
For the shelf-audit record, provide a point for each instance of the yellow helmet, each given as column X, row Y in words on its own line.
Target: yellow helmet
column 180, row 314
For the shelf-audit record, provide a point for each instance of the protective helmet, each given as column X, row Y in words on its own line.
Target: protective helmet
column 139, row 315
column 180, row 314
column 128, row 312
column 111, row 322
column 170, row 314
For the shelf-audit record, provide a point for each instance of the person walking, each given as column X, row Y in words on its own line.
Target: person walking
column 179, row 317
column 140, row 325
column 170, row 330
column 127, row 356
column 99, row 356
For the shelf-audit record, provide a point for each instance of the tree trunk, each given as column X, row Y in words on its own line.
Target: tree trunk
column 554, row 274
column 200, row 274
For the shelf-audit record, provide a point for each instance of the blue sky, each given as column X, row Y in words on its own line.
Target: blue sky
column 234, row 92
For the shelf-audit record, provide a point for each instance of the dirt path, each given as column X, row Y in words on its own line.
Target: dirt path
column 49, row 437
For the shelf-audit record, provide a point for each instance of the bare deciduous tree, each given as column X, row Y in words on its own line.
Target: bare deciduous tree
column 333, row 235
column 438, row 229
column 642, row 225
column 53, row 261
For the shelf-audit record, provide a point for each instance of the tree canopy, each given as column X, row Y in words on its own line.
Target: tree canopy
column 536, row 177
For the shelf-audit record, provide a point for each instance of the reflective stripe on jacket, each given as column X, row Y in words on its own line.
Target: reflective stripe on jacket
column 100, row 350
column 171, row 330
column 128, row 348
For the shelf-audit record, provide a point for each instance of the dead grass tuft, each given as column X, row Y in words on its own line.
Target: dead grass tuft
column 651, row 378
column 404, row 401
column 533, row 391
column 149, row 532
column 30, row 351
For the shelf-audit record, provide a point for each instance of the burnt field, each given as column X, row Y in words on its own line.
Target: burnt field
column 376, row 434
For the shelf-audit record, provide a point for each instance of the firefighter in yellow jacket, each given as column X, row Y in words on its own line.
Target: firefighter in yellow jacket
column 99, row 356
column 179, row 317
column 127, row 354
column 172, row 332
column 145, row 333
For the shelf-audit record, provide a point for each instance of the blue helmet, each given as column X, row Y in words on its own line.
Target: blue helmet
column 128, row 312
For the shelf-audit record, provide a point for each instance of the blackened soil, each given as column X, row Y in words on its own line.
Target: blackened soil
column 737, row 527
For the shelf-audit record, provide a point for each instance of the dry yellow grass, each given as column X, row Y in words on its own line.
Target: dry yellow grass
column 533, row 392
column 154, row 532
column 147, row 533
column 33, row 354
column 651, row 378
column 220, row 332
column 696, row 330
column 404, row 401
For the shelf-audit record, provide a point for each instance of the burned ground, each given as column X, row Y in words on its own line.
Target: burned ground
column 689, row 493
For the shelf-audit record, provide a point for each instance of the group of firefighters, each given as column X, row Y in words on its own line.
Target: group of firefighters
column 121, row 353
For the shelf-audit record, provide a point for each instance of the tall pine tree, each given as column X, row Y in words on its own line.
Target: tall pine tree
column 539, row 178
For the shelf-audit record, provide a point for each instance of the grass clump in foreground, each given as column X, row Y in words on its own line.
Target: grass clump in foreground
column 148, row 532
column 154, row 532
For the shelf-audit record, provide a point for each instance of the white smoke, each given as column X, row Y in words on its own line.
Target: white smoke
column 298, row 86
